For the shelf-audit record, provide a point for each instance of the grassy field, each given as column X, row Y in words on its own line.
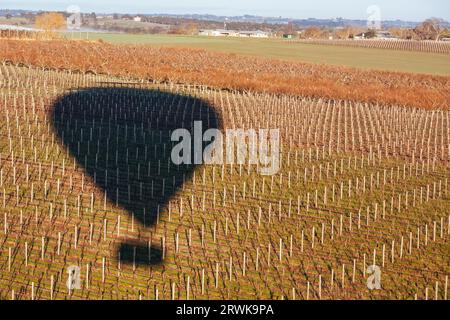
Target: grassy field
column 416, row 62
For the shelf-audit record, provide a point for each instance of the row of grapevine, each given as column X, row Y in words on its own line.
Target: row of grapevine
column 86, row 181
column 231, row 72
column 404, row 45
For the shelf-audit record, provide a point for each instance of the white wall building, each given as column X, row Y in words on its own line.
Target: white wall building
column 233, row 33
column 253, row 34
column 379, row 35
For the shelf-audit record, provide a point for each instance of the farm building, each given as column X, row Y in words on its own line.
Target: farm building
column 253, row 34
column 384, row 35
column 288, row 36
column 9, row 31
column 233, row 33
column 361, row 36
column 218, row 33
column 379, row 35
column 16, row 28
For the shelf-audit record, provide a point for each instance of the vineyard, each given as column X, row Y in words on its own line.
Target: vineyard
column 231, row 72
column 18, row 34
column 405, row 45
column 86, row 179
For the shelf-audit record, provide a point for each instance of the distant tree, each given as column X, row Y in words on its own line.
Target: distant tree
column 398, row 32
column 346, row 33
column 192, row 28
column 30, row 17
column 313, row 33
column 289, row 28
column 8, row 16
column 50, row 22
column 185, row 28
column 404, row 33
column 446, row 34
column 431, row 29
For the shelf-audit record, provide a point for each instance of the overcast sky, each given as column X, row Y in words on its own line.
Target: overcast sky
column 414, row 10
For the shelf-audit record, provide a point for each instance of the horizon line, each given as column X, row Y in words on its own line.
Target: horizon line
column 215, row 15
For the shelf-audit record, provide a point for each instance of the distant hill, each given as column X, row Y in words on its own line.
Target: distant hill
column 251, row 19
column 331, row 23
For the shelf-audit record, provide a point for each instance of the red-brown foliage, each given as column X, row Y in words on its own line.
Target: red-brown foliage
column 233, row 72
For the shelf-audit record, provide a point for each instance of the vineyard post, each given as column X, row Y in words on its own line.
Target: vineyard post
column 87, row 276
column 231, row 268
column 446, row 288
column 291, row 245
column 173, row 290
column 51, row 287
column 203, row 281
column 9, row 259
column 217, row 276
column 103, row 269
column 392, row 251
column 281, row 250
column 42, row 247
column 307, row 291
column 354, row 271
column 364, row 264
column 332, row 279
column 401, row 247
column 436, row 291
column 244, row 264
column 320, row 286
column 188, row 288
column 26, row 254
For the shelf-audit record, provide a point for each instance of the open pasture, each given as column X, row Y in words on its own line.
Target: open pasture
column 386, row 58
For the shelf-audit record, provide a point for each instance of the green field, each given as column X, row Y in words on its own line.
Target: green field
column 404, row 61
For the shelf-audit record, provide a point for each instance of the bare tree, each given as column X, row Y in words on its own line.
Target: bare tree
column 347, row 32
column 431, row 29
column 404, row 33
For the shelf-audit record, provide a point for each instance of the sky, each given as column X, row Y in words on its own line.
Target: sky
column 411, row 10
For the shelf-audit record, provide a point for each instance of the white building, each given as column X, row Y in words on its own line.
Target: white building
column 253, row 34
column 233, row 33
column 137, row 19
column 384, row 35
column 218, row 33
column 17, row 28
column 379, row 35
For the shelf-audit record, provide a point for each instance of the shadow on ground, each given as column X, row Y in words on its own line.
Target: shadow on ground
column 122, row 138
